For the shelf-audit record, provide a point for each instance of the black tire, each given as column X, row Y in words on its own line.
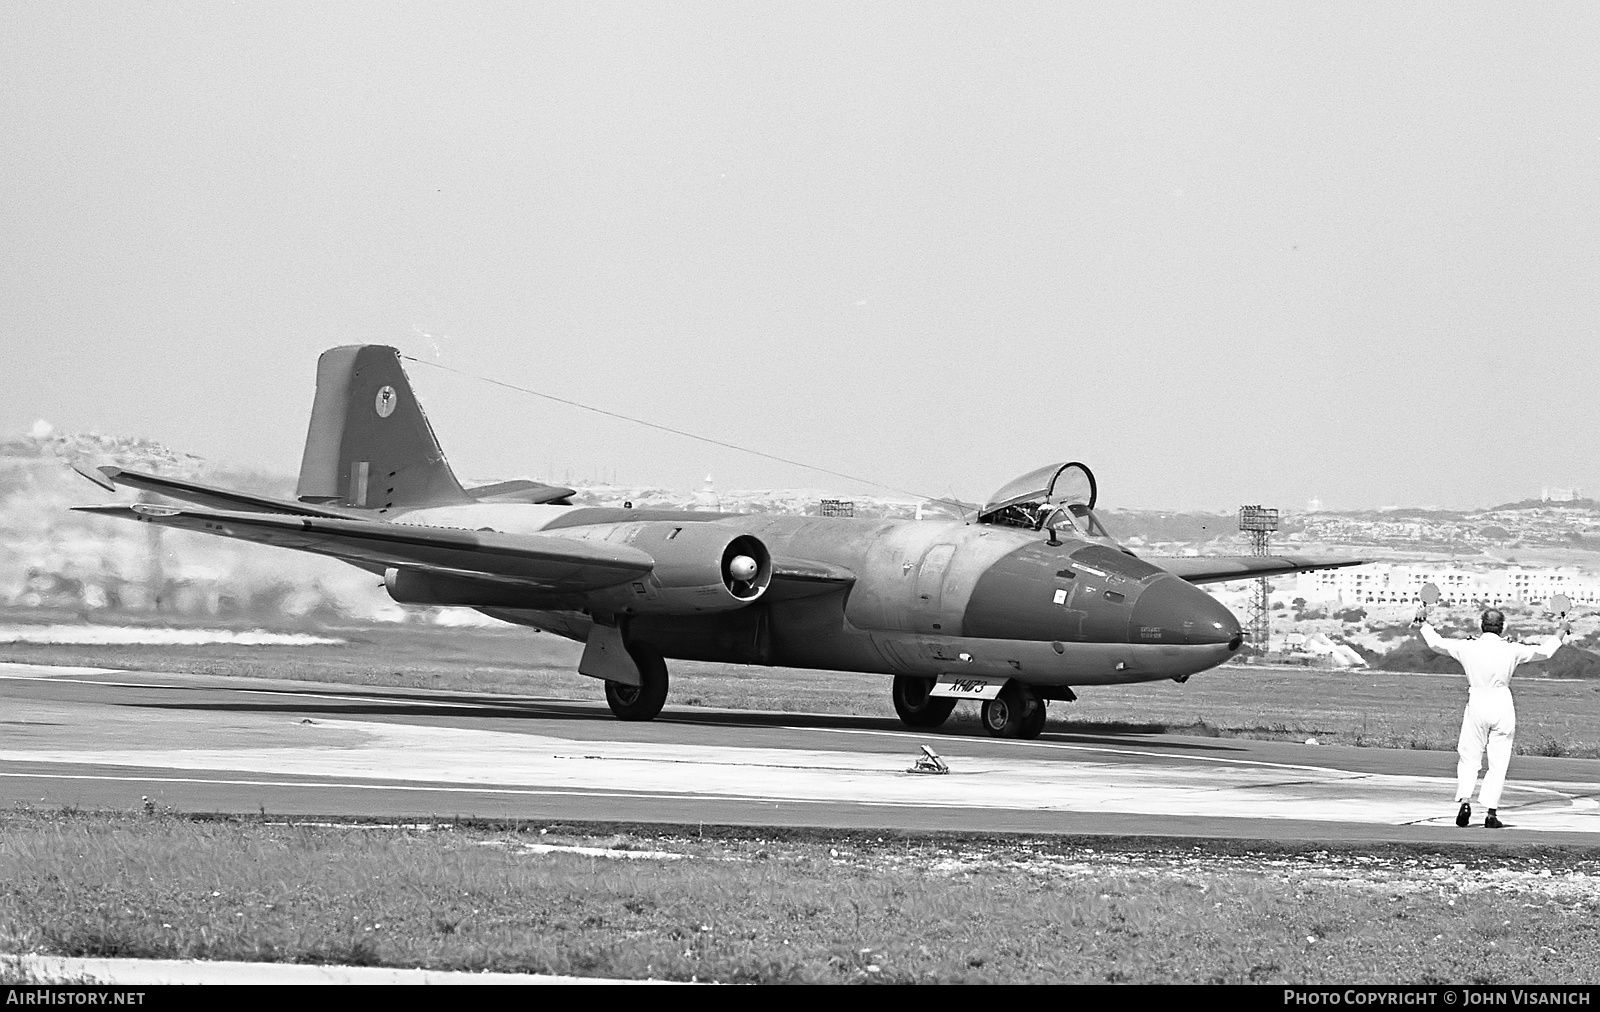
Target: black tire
column 1033, row 723
column 644, row 701
column 915, row 707
column 1002, row 715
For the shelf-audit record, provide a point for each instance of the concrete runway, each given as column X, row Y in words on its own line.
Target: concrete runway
column 97, row 738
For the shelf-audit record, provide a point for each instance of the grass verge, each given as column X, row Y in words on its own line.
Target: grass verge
column 744, row 905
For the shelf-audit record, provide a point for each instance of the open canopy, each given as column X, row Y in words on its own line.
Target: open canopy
column 1019, row 501
column 1060, row 496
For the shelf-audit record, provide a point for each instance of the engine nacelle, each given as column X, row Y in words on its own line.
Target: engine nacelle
column 417, row 585
column 700, row 567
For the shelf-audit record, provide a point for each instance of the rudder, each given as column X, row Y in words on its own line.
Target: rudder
column 369, row 444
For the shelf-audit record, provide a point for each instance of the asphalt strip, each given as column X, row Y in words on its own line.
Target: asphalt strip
column 1026, row 776
column 107, row 635
column 45, row 970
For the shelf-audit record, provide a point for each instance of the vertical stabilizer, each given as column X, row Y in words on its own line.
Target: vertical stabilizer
column 369, row 445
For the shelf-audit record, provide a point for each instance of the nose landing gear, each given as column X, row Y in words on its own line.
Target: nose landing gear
column 1015, row 713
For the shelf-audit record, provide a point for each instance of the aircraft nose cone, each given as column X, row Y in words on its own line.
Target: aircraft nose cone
column 1173, row 611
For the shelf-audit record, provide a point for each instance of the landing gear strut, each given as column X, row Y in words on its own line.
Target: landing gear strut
column 642, row 701
column 1033, row 723
column 914, row 704
column 1015, row 713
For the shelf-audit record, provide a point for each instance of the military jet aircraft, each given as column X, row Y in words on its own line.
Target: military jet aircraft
column 1012, row 607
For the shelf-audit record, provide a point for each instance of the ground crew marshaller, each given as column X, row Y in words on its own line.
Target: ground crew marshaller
column 1490, row 719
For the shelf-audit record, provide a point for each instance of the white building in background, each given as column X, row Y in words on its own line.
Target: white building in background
column 1560, row 494
column 707, row 498
column 1381, row 584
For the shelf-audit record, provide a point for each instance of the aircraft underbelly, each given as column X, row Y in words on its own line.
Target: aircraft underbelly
column 1040, row 663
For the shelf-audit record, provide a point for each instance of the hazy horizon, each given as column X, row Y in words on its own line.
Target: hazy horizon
column 819, row 489
column 1223, row 253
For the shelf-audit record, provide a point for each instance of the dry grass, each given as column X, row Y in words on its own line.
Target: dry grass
column 1372, row 709
column 747, row 906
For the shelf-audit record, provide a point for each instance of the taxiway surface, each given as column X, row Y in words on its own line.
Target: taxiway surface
column 98, row 738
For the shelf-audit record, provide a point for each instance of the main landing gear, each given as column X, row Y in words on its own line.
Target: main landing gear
column 642, row 701
column 914, row 704
column 1015, row 713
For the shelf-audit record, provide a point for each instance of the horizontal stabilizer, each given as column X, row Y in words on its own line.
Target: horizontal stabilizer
column 538, row 561
column 1222, row 568
column 210, row 495
column 521, row 490
column 98, row 477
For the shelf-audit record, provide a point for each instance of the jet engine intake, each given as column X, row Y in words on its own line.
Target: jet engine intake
column 699, row 567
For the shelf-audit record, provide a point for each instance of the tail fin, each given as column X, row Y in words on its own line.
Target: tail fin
column 370, row 446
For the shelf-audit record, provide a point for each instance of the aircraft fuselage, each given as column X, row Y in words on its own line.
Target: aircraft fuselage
column 929, row 598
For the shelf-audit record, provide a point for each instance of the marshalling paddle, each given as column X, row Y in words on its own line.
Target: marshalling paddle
column 1430, row 596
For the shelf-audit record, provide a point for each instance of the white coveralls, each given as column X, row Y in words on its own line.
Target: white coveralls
column 1490, row 718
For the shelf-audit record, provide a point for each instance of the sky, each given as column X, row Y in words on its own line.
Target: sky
column 1224, row 253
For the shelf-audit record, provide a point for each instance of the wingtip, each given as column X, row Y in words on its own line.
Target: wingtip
column 101, row 476
column 136, row 510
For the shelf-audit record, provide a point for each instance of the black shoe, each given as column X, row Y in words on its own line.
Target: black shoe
column 1491, row 822
column 1464, row 816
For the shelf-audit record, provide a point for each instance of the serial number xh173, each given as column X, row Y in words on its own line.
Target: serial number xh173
column 1014, row 607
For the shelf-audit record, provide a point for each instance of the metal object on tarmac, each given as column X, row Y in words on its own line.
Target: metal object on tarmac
column 929, row 762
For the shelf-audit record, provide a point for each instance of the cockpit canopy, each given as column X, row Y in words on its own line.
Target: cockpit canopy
column 1060, row 496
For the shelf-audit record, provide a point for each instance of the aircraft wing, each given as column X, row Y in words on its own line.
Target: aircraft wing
column 810, row 571
column 795, row 578
column 1222, row 568
column 109, row 478
column 558, row 565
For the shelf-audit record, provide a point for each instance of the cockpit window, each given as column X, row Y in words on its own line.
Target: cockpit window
column 1060, row 497
column 1076, row 517
column 1031, row 499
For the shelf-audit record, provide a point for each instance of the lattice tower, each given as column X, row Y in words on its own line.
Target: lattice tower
column 1257, row 525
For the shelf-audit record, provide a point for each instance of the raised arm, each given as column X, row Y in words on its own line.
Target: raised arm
column 1438, row 644
column 1545, row 648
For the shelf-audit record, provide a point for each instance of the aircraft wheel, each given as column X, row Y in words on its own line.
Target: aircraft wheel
column 1002, row 715
column 915, row 706
column 1033, row 723
column 642, row 701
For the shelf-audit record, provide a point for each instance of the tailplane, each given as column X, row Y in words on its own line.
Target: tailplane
column 369, row 445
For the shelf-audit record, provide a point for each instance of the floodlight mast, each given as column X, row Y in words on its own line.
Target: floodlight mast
column 1257, row 523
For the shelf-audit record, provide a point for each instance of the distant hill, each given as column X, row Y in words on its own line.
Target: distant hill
column 92, row 449
column 1413, row 655
column 1533, row 504
column 1163, row 527
column 51, row 557
column 48, row 449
